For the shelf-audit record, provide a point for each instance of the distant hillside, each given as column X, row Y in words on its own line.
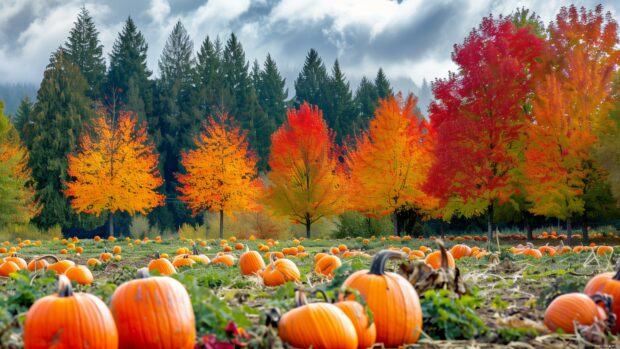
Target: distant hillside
column 12, row 94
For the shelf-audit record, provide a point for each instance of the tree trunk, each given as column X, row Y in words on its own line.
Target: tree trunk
column 395, row 219
column 569, row 232
column 490, row 223
column 528, row 227
column 584, row 229
column 369, row 226
column 443, row 233
column 221, row 224
column 111, row 223
column 308, row 225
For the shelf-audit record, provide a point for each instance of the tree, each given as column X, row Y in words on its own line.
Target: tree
column 479, row 116
column 342, row 117
column 306, row 181
column 59, row 116
column 23, row 120
column 384, row 89
column 84, row 49
column 115, row 169
column 366, row 100
column 560, row 156
column 17, row 199
column 312, row 82
column 220, row 172
column 272, row 92
column 128, row 71
column 608, row 149
column 210, row 78
column 398, row 145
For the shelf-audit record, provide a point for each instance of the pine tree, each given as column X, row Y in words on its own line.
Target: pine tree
column 312, row 81
column 209, row 78
column 84, row 49
column 342, row 117
column 255, row 75
column 366, row 101
column 128, row 72
column 272, row 92
column 60, row 114
column 23, row 120
column 382, row 83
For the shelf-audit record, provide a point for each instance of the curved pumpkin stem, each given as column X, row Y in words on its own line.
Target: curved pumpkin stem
column 378, row 263
column 157, row 255
column 47, row 256
column 143, row 273
column 64, row 286
column 443, row 253
column 325, row 296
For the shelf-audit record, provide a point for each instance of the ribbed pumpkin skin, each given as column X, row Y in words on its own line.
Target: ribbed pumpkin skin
column 280, row 271
column 8, row 268
column 572, row 306
column 434, row 260
column 460, row 251
column 153, row 313
column 60, row 267
column 317, row 325
column 327, row 265
column 225, row 259
column 80, row 274
column 604, row 283
column 366, row 335
column 163, row 266
column 35, row 265
column 251, row 262
column 78, row 321
column 21, row 263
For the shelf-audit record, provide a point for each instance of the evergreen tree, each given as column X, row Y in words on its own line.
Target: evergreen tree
column 272, row 92
column 366, row 100
column 128, row 75
column 60, row 114
column 176, row 119
column 341, row 116
column 255, row 75
column 312, row 81
column 23, row 120
column 84, row 49
column 382, row 84
column 209, row 78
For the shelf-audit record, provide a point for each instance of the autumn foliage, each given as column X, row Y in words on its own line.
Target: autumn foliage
column 220, row 173
column 306, row 183
column 115, row 168
column 389, row 164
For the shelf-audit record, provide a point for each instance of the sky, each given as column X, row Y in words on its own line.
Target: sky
column 411, row 39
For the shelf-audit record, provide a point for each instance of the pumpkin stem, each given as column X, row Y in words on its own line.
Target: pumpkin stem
column 325, row 296
column 300, row 298
column 444, row 254
column 143, row 273
column 64, row 286
column 195, row 250
column 157, row 256
column 47, row 256
column 378, row 262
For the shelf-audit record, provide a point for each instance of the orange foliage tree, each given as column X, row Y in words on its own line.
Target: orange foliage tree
column 306, row 181
column 115, row 169
column 221, row 172
column 572, row 105
column 389, row 164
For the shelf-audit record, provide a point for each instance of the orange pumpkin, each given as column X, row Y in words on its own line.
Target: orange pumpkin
column 327, row 265
column 21, row 263
column 105, row 256
column 459, row 251
column 69, row 320
column 532, row 252
column 7, row 268
column 366, row 332
column 317, row 325
column 61, row 266
column 197, row 257
column 280, row 271
column 91, row 262
column 223, row 258
column 251, row 263
column 239, row 246
column 567, row 308
column 80, row 274
column 162, row 265
column 547, row 250
column 435, row 259
column 416, row 254
column 37, row 264
column 603, row 250
column 607, row 283
column 393, row 300
column 117, row 249
column 184, row 261
column 139, row 305
column 319, row 256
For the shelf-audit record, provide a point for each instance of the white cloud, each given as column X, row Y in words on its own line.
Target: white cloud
column 159, row 10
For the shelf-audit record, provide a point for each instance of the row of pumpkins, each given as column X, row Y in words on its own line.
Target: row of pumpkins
column 531, row 251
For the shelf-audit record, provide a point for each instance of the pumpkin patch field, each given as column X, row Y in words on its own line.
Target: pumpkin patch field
column 297, row 293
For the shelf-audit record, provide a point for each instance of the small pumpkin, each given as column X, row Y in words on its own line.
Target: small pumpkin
column 80, row 274
column 568, row 308
column 223, row 258
column 139, row 305
column 91, row 262
column 197, row 257
column 393, row 300
column 532, row 252
column 21, row 263
column 117, row 250
column 251, row 263
column 607, row 283
column 366, row 332
column 603, row 250
column 280, row 271
column 162, row 265
column 37, row 264
column 547, row 250
column 316, row 325
column 69, row 320
column 8, row 267
column 184, row 261
column 327, row 265
column 434, row 259
column 459, row 251
column 61, row 267
column 105, row 256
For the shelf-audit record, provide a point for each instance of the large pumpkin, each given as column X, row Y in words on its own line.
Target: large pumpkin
column 366, row 332
column 317, row 325
column 459, row 251
column 21, row 263
column 280, row 271
column 572, row 307
column 153, row 312
column 327, row 265
column 251, row 263
column 61, row 267
column 394, row 302
column 69, row 320
column 607, row 283
column 80, row 274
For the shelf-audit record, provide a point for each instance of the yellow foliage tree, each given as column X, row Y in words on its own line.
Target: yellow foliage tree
column 115, row 169
column 221, row 172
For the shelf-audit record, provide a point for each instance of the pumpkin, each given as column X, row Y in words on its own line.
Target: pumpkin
column 567, row 308
column 607, row 283
column 91, row 262
column 37, row 264
column 366, row 332
column 223, row 258
column 21, row 263
column 434, row 259
column 547, row 250
column 80, row 274
column 326, row 266
column 61, row 266
column 184, row 261
column 117, row 250
column 105, row 256
column 239, row 246
column 280, row 271
column 459, row 251
column 153, row 312
column 603, row 250
column 197, row 257
column 334, row 250
column 162, row 265
column 319, row 256
column 317, row 325
column 393, row 300
column 8, row 267
column 69, row 320
column 532, row 252
column 251, row 263
column 276, row 254
column 415, row 254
